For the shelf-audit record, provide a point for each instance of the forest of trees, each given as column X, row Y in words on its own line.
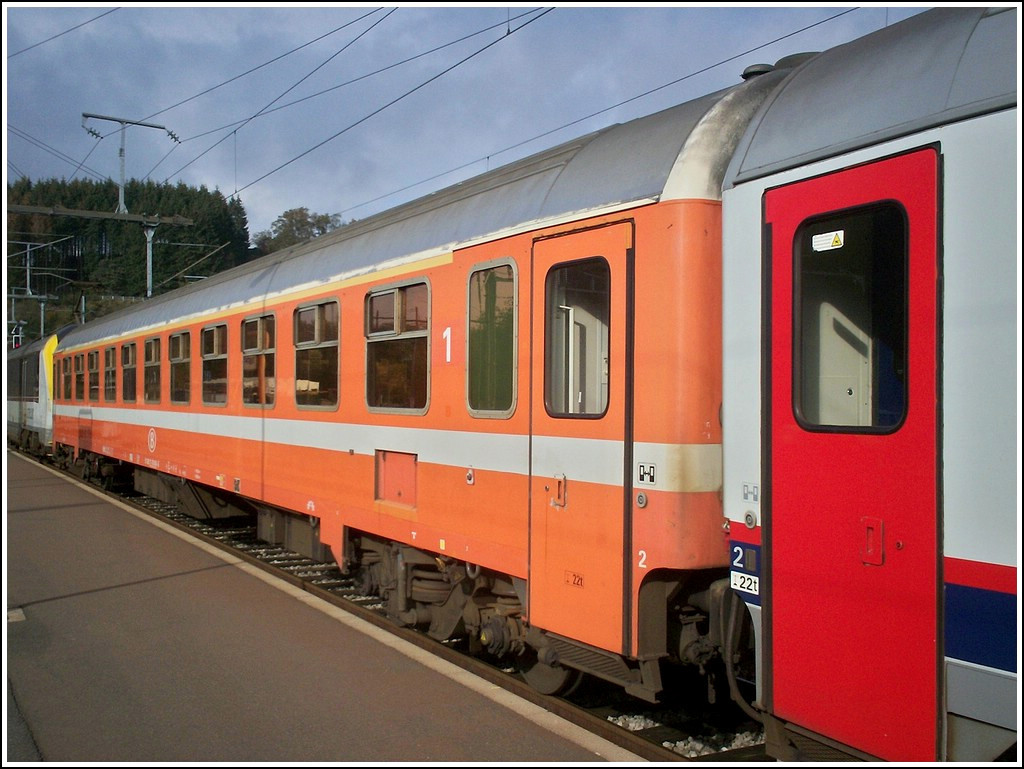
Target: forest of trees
column 104, row 260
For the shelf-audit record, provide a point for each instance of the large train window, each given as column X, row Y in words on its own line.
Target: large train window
column 151, row 371
column 214, row 351
column 577, row 310
column 180, row 354
column 31, row 386
column 110, row 374
column 23, row 379
column 397, row 333
column 66, row 378
column 491, row 343
column 80, row 377
column 316, row 355
column 129, row 373
column 13, row 378
column 259, row 345
column 93, row 359
column 850, row 320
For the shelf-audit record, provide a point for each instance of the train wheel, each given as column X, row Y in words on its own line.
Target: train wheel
column 550, row 679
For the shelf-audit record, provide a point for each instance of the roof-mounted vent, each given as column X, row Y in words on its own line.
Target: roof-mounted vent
column 756, row 69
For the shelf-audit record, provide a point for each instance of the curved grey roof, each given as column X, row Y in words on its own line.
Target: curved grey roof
column 941, row 65
column 614, row 167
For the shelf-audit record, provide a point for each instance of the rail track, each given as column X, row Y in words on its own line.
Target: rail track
column 675, row 731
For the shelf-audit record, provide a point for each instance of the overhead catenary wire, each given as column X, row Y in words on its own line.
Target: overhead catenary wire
column 60, row 34
column 188, row 267
column 435, row 49
column 268, row 111
column 24, row 135
column 394, row 101
column 80, row 164
column 258, row 67
column 286, row 91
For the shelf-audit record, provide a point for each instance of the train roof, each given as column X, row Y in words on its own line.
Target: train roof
column 939, row 66
column 679, row 152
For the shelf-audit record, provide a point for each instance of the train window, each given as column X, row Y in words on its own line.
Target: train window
column 110, row 374
column 13, row 378
column 128, row 373
column 23, row 378
column 491, row 346
column 397, row 333
column 380, row 313
column 577, row 311
column 414, row 307
column 180, row 354
column 80, row 377
column 850, row 320
column 316, row 355
column 15, row 375
column 66, row 378
column 31, row 386
column 215, row 364
column 93, row 359
column 151, row 371
column 258, row 348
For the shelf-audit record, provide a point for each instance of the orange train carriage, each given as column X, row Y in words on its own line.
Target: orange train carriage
column 500, row 403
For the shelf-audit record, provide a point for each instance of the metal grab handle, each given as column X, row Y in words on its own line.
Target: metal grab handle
column 873, row 551
column 558, row 500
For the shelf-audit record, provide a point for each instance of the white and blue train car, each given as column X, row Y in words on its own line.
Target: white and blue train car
column 29, row 394
column 871, row 403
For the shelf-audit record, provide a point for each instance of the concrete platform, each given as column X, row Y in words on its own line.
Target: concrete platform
column 128, row 641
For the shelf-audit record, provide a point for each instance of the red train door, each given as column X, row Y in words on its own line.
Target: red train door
column 579, row 436
column 852, row 456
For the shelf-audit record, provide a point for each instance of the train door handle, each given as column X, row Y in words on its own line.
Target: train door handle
column 558, row 500
column 873, row 548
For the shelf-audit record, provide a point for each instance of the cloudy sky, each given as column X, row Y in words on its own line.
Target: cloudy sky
column 349, row 109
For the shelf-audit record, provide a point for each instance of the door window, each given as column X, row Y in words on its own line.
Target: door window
column 851, row 320
column 577, row 309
